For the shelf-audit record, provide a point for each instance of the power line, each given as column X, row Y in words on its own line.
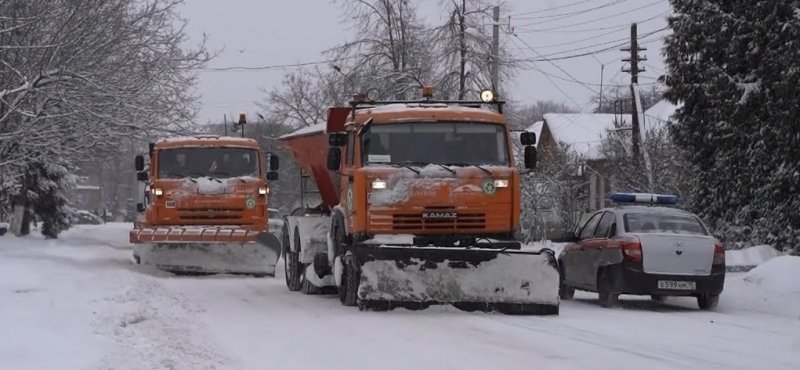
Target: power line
column 616, row 27
column 555, row 17
column 592, row 20
column 273, row 66
column 619, row 43
column 555, row 65
column 554, row 8
column 558, row 87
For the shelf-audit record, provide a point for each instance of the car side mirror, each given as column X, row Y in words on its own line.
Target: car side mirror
column 139, row 207
column 530, row 157
column 337, row 139
column 274, row 163
column 142, row 176
column 334, row 159
column 272, row 176
column 139, row 162
column 527, row 138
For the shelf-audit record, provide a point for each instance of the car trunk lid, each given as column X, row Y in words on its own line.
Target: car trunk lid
column 676, row 254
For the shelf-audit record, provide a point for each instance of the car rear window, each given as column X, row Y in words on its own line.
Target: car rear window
column 663, row 223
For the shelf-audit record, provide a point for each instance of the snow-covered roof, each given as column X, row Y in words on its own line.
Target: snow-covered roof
column 582, row 132
column 660, row 114
column 313, row 129
column 536, row 128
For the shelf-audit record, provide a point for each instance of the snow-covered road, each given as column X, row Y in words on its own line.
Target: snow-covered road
column 80, row 303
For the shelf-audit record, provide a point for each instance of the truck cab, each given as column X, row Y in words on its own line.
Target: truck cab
column 429, row 170
column 206, row 180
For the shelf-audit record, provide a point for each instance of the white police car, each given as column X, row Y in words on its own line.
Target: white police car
column 642, row 246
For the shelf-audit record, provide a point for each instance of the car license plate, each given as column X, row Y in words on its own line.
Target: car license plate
column 676, row 285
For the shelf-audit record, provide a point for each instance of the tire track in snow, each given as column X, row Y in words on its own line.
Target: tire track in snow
column 151, row 328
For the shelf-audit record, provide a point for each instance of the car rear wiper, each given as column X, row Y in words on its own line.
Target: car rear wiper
column 473, row 165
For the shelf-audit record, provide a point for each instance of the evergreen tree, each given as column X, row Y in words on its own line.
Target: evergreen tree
column 734, row 66
column 46, row 189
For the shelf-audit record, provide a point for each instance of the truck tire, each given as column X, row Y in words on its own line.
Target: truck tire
column 348, row 291
column 291, row 261
column 607, row 298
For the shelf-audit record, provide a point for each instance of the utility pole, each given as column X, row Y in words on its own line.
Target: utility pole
column 225, row 123
column 602, row 70
column 637, row 116
column 495, row 57
column 634, row 71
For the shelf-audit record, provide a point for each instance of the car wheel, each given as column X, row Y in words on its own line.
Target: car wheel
column 658, row 298
column 564, row 291
column 607, row 298
column 707, row 301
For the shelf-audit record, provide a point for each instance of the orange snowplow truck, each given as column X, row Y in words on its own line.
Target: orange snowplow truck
column 205, row 207
column 419, row 204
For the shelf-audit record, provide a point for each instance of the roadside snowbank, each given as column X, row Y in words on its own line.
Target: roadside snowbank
column 773, row 287
column 749, row 257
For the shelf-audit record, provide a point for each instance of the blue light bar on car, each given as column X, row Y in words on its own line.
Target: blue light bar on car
column 643, row 198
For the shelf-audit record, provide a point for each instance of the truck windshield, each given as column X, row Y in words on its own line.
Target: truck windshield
column 210, row 162
column 455, row 143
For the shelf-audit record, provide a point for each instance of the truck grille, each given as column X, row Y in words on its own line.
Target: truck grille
column 416, row 221
column 210, row 213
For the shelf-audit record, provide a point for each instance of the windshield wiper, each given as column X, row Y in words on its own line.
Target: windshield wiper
column 406, row 165
column 225, row 174
column 473, row 165
column 447, row 168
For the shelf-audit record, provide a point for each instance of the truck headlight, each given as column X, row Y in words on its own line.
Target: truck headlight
column 379, row 184
column 158, row 192
column 501, row 183
column 263, row 191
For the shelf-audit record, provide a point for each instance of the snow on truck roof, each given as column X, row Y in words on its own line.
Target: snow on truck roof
column 411, row 112
column 205, row 141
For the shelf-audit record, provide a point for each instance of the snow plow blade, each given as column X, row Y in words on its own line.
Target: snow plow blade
column 474, row 279
column 207, row 251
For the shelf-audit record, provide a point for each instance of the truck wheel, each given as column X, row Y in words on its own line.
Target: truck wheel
column 707, row 301
column 291, row 262
column 607, row 297
column 348, row 291
column 307, row 286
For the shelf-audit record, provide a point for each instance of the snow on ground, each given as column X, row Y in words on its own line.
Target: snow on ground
column 80, row 303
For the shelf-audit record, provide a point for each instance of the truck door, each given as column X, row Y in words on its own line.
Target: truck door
column 347, row 186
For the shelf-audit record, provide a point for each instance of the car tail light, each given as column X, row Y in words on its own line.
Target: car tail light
column 719, row 253
column 632, row 249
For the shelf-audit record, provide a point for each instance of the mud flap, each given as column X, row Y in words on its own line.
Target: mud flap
column 510, row 281
column 252, row 258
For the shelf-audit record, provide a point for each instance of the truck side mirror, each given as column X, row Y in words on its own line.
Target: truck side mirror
column 274, row 163
column 527, row 138
column 139, row 162
column 272, row 176
column 142, row 176
column 530, row 157
column 139, row 207
column 334, row 159
column 337, row 139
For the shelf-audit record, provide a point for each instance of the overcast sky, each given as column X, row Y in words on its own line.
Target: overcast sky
column 272, row 32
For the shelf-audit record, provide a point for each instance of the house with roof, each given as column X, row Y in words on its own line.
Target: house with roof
column 583, row 134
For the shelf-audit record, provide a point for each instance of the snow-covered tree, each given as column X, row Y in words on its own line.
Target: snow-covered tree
column 464, row 49
column 733, row 64
column 78, row 77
